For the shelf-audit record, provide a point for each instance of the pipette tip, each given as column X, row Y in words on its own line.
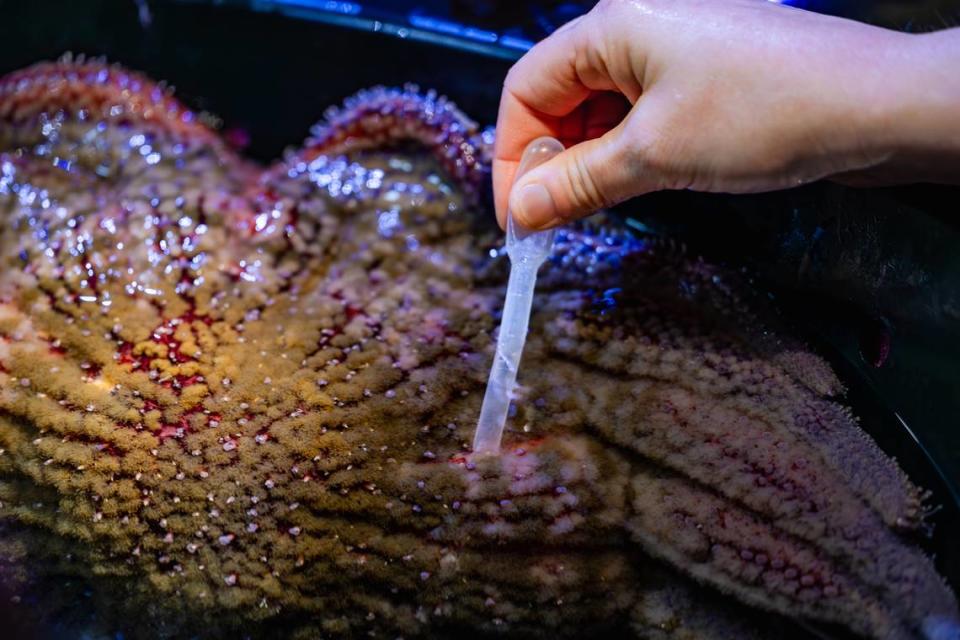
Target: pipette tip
column 527, row 250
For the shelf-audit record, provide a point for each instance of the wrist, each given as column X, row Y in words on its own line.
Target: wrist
column 917, row 127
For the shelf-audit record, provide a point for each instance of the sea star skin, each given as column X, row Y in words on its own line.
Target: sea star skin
column 379, row 117
column 249, row 394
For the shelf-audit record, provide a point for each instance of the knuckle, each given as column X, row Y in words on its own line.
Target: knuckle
column 510, row 80
column 606, row 6
column 656, row 154
column 585, row 190
column 606, row 12
column 642, row 135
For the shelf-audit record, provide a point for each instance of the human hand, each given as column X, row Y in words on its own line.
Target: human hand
column 721, row 96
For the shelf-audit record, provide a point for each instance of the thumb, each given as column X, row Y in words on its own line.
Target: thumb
column 588, row 176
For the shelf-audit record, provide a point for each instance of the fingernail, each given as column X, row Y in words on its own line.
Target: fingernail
column 534, row 206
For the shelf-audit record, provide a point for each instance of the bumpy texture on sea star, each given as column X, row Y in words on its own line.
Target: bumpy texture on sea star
column 237, row 399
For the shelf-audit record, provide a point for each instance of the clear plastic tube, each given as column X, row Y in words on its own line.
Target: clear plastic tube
column 527, row 251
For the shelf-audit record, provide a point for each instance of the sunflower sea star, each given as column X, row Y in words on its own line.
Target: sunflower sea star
column 235, row 398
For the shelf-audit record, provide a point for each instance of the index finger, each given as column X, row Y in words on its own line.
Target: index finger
column 540, row 89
